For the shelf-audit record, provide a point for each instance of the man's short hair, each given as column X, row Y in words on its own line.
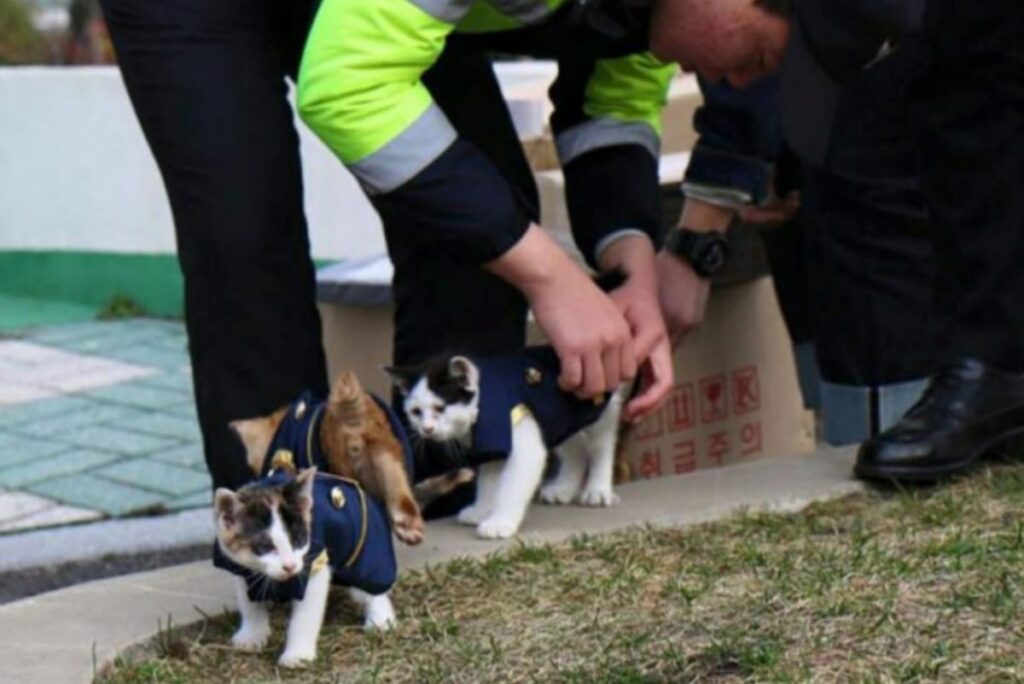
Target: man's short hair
column 782, row 8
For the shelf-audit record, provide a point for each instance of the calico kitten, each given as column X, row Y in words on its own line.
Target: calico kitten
column 359, row 444
column 442, row 403
column 267, row 528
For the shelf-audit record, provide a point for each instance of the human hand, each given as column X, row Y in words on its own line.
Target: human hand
column 585, row 327
column 683, row 296
column 637, row 299
column 777, row 210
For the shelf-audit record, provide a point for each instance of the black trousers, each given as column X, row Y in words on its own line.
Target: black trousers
column 207, row 81
column 208, row 84
column 911, row 233
column 970, row 105
column 869, row 247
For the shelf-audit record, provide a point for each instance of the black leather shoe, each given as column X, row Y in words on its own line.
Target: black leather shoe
column 965, row 412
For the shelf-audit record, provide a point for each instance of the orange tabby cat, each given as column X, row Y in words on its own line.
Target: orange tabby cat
column 357, row 439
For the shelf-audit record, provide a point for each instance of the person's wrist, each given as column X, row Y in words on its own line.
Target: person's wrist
column 633, row 255
column 534, row 265
column 699, row 216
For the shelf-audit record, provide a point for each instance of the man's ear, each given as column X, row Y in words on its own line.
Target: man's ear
column 465, row 372
column 225, row 506
column 402, row 378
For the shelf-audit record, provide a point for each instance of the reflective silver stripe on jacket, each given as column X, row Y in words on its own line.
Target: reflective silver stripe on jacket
column 405, row 155
column 605, row 132
column 524, row 11
column 448, row 11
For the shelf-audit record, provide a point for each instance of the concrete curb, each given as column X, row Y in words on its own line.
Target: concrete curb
column 109, row 537
column 56, row 637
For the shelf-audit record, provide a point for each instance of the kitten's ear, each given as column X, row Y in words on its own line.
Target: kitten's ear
column 402, row 378
column 225, row 506
column 465, row 372
column 304, row 480
column 256, row 435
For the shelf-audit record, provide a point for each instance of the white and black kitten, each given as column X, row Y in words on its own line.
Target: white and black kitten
column 442, row 403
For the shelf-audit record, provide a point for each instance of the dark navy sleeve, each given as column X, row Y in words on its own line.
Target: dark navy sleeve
column 611, row 188
column 459, row 201
column 740, row 139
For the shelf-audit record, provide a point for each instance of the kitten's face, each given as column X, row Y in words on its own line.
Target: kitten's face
column 440, row 399
column 266, row 529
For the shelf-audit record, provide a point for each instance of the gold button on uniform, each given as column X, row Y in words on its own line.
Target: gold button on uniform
column 300, row 410
column 533, row 376
column 337, row 497
column 282, row 458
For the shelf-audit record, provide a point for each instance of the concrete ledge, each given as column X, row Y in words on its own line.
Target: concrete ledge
column 55, row 637
column 54, row 545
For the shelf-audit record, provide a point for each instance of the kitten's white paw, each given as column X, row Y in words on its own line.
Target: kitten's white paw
column 472, row 515
column 497, row 528
column 381, row 621
column 598, row 497
column 250, row 638
column 557, row 494
column 292, row 658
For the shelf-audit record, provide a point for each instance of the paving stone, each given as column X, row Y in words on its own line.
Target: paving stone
column 19, row 476
column 108, row 342
column 108, row 438
column 30, row 412
column 186, row 409
column 63, row 333
column 101, row 376
column 145, row 355
column 201, row 499
column 12, row 393
column 165, row 425
column 90, row 338
column 30, row 371
column 98, row 413
column 27, row 353
column 156, row 476
column 188, row 456
column 58, row 515
column 24, row 450
column 18, row 504
column 171, row 380
column 86, row 490
column 177, row 343
column 137, row 395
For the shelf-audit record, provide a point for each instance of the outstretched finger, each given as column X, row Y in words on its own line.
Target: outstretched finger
column 571, row 377
column 656, row 381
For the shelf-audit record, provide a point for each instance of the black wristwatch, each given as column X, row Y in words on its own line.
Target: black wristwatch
column 705, row 252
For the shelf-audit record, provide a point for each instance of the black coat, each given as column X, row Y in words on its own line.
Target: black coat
column 831, row 41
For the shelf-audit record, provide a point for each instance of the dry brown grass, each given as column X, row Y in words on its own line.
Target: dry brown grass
column 896, row 586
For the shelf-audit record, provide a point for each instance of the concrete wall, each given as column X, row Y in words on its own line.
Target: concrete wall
column 76, row 173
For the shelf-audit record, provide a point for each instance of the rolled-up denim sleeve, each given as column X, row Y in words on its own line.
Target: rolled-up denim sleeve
column 740, row 139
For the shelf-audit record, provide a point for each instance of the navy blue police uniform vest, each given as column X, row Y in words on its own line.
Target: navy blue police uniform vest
column 350, row 533
column 512, row 385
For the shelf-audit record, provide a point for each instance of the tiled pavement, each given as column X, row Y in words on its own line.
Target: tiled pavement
column 97, row 420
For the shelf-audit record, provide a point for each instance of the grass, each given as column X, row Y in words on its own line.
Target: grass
column 878, row 587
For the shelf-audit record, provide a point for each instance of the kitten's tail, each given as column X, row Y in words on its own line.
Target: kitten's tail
column 433, row 488
column 348, row 401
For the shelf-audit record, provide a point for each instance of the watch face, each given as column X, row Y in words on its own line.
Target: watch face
column 712, row 256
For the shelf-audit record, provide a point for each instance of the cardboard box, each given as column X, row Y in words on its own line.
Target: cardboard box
column 736, row 396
